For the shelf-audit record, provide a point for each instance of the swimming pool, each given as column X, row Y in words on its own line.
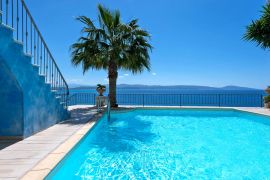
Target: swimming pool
column 172, row 144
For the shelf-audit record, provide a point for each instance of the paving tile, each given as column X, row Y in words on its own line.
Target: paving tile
column 13, row 171
column 19, row 158
column 18, row 161
column 31, row 147
column 36, row 175
column 49, row 137
column 50, row 161
column 21, row 154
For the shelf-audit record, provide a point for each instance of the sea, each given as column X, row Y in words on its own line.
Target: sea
column 176, row 97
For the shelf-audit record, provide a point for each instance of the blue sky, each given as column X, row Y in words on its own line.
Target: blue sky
column 196, row 42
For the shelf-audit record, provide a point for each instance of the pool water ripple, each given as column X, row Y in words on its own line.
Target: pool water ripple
column 172, row 144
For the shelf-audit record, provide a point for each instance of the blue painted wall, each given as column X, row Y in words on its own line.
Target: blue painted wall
column 40, row 108
column 11, row 108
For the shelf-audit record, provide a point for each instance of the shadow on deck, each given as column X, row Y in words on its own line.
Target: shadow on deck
column 6, row 143
column 81, row 115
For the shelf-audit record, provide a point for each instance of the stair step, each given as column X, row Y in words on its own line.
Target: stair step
column 28, row 80
column 48, row 84
column 17, row 47
column 36, row 68
column 43, row 78
column 27, row 59
column 7, row 30
column 18, row 42
column 7, row 26
column 28, row 55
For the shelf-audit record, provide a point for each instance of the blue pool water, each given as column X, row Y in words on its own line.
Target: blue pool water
column 172, row 144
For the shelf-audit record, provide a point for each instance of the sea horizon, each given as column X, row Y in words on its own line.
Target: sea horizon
column 181, row 87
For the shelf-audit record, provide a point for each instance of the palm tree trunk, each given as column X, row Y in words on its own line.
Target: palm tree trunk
column 112, row 74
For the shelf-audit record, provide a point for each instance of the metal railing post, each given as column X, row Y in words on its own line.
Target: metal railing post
column 12, row 13
column 143, row 100
column 26, row 28
column 6, row 12
column 262, row 101
column 108, row 108
column 1, row 12
column 219, row 103
column 22, row 23
column 17, row 19
column 94, row 100
column 180, row 99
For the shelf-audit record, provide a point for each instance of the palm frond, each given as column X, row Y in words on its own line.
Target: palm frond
column 259, row 31
column 125, row 45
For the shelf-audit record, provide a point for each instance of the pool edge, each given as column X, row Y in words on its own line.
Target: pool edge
column 42, row 169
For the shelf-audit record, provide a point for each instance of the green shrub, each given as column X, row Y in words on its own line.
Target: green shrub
column 267, row 99
column 268, row 90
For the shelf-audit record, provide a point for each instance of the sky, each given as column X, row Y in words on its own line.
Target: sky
column 196, row 42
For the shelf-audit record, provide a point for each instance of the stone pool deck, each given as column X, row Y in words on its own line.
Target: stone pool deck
column 262, row 111
column 24, row 159
column 34, row 157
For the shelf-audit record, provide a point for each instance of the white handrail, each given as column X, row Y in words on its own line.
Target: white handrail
column 108, row 108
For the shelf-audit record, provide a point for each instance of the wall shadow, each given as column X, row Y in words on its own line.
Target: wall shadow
column 11, row 100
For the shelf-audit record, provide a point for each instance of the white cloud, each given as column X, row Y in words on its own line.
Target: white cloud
column 106, row 79
column 75, row 80
column 154, row 74
column 123, row 76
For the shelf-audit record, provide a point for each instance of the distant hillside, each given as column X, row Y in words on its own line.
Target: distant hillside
column 180, row 87
column 237, row 88
column 79, row 86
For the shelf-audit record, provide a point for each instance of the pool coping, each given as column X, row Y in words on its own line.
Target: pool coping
column 47, row 164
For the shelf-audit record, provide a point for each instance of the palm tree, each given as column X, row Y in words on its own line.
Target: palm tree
column 112, row 46
column 259, row 30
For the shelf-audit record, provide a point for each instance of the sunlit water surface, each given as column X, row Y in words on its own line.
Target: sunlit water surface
column 172, row 144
